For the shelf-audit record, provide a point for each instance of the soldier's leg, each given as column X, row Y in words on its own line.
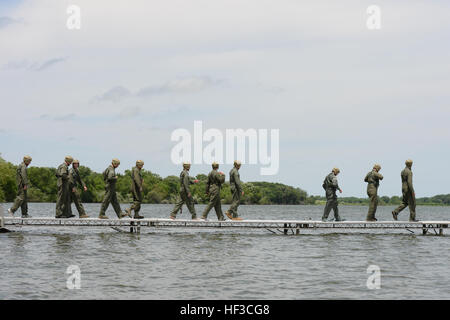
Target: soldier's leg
column 67, row 202
column 403, row 205
column 373, row 204
column 19, row 200
column 191, row 208
column 235, row 204
column 209, row 206
column 336, row 210
column 24, row 205
column 218, row 208
column 115, row 204
column 59, row 202
column 327, row 209
column 177, row 208
column 412, row 207
column 105, row 202
column 76, row 198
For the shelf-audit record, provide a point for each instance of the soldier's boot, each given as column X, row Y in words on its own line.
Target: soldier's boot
column 137, row 216
column 339, row 219
column 83, row 216
column 172, row 217
column 371, row 219
column 102, row 216
column 25, row 216
column 229, row 215
column 124, row 214
column 10, row 212
column 324, row 219
column 128, row 211
column 395, row 215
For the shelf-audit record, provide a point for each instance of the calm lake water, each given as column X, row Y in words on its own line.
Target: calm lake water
column 226, row 264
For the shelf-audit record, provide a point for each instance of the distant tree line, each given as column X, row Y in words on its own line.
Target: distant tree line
column 165, row 190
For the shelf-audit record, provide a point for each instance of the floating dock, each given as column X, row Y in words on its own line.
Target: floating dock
column 282, row 226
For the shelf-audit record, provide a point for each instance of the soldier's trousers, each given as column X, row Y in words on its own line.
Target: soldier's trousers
column 214, row 202
column 332, row 203
column 372, row 192
column 110, row 197
column 137, row 200
column 76, row 199
column 63, row 201
column 184, row 199
column 408, row 201
column 236, row 200
column 21, row 201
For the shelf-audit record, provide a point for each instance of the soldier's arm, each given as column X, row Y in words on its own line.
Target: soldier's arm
column 81, row 182
column 24, row 176
column 410, row 183
column 111, row 175
column 136, row 178
column 208, row 182
column 380, row 176
column 186, row 183
column 237, row 181
column 64, row 174
column 335, row 184
column 366, row 179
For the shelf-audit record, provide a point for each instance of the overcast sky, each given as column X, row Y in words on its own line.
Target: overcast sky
column 340, row 94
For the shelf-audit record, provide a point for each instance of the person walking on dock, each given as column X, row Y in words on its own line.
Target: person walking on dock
column 136, row 189
column 409, row 196
column 213, row 186
column 74, row 182
column 110, row 178
column 63, row 200
column 373, row 181
column 22, row 187
column 185, row 193
column 330, row 184
column 236, row 190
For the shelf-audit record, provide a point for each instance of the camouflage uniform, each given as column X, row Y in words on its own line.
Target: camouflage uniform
column 409, row 198
column 136, row 190
column 63, row 208
column 110, row 178
column 21, row 198
column 215, row 180
column 236, row 190
column 373, row 179
column 185, row 196
column 74, row 182
column 330, row 185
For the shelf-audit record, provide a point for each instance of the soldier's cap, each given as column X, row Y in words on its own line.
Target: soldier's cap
column 186, row 164
column 26, row 159
column 237, row 163
column 139, row 163
column 75, row 161
column 408, row 162
column 377, row 166
column 215, row 164
column 68, row 159
column 115, row 161
column 336, row 170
